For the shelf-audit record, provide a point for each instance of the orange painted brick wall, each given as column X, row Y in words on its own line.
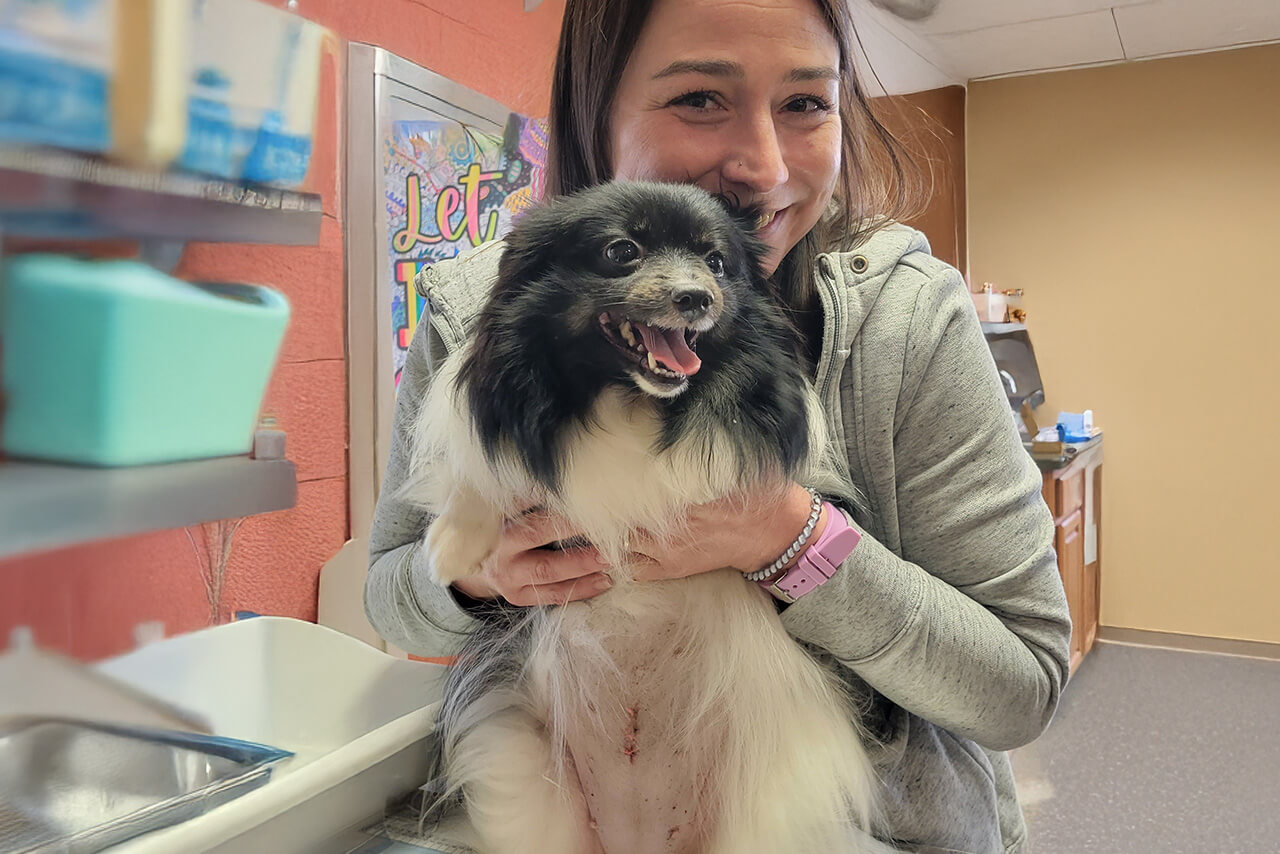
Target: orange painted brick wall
column 87, row 599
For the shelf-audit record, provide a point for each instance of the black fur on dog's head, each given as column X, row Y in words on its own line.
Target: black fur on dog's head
column 592, row 283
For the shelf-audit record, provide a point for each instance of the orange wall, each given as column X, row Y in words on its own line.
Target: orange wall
column 87, row 599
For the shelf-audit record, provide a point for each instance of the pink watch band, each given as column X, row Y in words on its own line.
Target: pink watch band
column 819, row 561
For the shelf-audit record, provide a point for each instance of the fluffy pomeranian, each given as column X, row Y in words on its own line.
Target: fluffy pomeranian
column 633, row 362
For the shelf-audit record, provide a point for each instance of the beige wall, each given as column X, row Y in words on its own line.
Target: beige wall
column 1139, row 206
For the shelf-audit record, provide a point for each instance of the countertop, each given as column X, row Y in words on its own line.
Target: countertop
column 1077, row 455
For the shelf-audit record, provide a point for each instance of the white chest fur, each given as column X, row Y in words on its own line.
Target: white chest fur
column 613, row 480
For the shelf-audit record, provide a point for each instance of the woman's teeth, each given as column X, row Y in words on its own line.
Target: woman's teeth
column 765, row 219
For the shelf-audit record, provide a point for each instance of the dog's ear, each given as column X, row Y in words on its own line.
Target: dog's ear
column 744, row 217
column 509, row 383
column 745, row 243
column 749, row 251
column 530, row 248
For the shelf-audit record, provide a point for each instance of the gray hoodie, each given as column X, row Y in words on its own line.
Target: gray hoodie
column 948, row 621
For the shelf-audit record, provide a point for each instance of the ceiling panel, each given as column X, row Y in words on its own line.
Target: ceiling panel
column 954, row 16
column 967, row 39
column 1173, row 26
column 1032, row 46
column 889, row 64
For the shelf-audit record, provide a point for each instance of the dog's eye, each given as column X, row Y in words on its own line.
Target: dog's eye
column 622, row 251
column 715, row 263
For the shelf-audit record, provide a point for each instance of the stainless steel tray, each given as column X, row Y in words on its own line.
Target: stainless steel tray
column 71, row 787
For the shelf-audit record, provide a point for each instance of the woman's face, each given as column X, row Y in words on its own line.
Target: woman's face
column 737, row 97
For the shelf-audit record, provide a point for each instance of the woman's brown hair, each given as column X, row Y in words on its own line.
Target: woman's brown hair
column 879, row 178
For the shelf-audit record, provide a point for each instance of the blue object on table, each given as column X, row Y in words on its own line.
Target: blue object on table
column 1071, row 427
column 112, row 363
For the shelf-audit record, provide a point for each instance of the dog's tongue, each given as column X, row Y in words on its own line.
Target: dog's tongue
column 670, row 349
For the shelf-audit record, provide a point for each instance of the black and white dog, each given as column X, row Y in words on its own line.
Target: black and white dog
column 633, row 362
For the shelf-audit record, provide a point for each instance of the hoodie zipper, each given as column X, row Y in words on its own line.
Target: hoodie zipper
column 834, row 309
column 834, row 304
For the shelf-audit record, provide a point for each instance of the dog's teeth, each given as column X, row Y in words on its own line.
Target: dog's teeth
column 653, row 363
column 627, row 334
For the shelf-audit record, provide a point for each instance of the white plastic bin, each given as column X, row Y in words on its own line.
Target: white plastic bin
column 355, row 717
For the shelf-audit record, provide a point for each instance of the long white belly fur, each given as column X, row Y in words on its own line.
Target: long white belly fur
column 672, row 716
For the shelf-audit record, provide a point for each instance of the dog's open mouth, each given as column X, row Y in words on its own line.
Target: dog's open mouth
column 665, row 357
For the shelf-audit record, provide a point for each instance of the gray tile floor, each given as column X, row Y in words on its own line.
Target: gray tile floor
column 1157, row 751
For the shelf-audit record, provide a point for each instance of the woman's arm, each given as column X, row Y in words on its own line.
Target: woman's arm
column 969, row 628
column 402, row 603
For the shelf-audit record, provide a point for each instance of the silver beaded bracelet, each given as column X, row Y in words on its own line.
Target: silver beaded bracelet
column 815, row 511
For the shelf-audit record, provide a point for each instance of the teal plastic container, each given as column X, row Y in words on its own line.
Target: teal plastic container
column 112, row 363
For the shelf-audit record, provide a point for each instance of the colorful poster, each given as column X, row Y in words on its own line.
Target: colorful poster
column 451, row 187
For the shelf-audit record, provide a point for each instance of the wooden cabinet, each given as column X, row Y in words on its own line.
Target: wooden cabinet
column 1069, row 542
column 1077, row 519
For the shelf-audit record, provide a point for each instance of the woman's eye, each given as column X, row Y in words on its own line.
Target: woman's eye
column 622, row 251
column 715, row 263
column 699, row 100
column 808, row 104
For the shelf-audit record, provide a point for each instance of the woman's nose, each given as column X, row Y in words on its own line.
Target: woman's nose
column 756, row 159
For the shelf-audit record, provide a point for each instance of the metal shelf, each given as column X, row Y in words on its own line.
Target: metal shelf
column 48, row 193
column 47, row 506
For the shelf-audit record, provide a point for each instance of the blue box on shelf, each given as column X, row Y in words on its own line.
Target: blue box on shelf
column 1075, row 427
column 112, row 363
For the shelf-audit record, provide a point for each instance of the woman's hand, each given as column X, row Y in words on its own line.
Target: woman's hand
column 524, row 571
column 746, row 533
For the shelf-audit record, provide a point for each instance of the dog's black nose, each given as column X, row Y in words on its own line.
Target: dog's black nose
column 692, row 302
